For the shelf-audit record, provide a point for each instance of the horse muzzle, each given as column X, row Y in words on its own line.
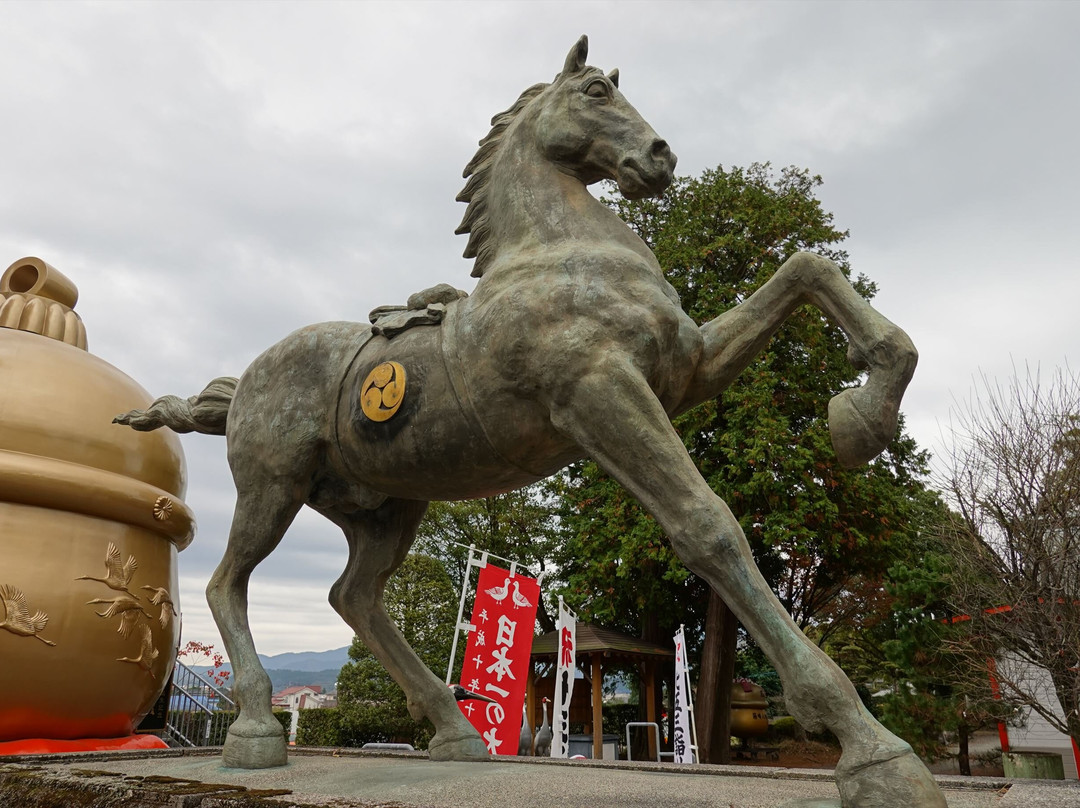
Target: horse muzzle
column 649, row 174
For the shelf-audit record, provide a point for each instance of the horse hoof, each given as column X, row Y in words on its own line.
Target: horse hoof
column 902, row 780
column 856, row 437
column 464, row 747
column 243, row 751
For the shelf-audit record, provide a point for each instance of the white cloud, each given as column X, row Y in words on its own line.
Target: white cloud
column 213, row 176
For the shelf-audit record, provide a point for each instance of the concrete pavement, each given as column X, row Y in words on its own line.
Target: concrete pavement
column 348, row 778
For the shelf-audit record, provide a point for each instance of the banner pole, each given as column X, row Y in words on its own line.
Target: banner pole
column 461, row 611
column 690, row 702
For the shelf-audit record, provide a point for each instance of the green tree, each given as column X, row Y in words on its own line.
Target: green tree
column 421, row 599
column 821, row 534
column 916, row 661
column 520, row 525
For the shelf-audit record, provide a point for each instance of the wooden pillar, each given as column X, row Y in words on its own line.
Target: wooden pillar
column 650, row 704
column 597, row 706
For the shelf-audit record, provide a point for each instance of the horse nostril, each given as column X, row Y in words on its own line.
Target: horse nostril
column 660, row 149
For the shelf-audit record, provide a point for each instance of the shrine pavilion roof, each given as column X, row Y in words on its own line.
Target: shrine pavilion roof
column 591, row 639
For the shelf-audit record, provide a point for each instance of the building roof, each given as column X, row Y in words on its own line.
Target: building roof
column 296, row 689
column 591, row 639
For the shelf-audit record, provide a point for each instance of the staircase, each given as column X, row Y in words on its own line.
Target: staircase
column 199, row 712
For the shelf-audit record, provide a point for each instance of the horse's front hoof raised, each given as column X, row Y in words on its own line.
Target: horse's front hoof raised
column 255, row 750
column 901, row 781
column 857, row 436
column 464, row 747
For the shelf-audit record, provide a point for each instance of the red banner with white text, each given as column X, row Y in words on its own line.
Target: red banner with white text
column 497, row 656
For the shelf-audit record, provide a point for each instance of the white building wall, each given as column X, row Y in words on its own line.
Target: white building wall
column 1036, row 734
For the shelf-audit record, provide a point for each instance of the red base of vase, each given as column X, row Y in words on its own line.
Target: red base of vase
column 46, row 746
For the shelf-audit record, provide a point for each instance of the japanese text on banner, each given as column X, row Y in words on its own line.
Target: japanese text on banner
column 497, row 656
column 681, row 738
column 564, row 681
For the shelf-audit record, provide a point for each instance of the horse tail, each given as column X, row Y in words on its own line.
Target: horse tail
column 206, row 413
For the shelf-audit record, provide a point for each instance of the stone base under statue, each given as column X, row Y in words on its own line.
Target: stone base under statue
column 316, row 777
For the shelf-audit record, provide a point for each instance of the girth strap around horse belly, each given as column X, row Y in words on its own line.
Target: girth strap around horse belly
column 345, row 388
column 352, row 382
column 458, row 381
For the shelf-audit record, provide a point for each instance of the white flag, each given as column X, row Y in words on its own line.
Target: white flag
column 564, row 681
column 681, row 739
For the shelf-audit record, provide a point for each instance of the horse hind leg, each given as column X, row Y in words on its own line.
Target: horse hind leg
column 877, row 769
column 263, row 513
column 379, row 540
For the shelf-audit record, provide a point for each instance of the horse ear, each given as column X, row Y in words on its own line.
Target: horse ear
column 575, row 59
column 614, row 76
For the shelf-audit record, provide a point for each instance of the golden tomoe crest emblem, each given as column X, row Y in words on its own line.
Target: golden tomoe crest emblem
column 383, row 391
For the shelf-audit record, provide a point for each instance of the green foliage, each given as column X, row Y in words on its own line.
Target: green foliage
column 520, row 525
column 910, row 651
column 284, row 717
column 821, row 534
column 784, row 727
column 422, row 602
column 319, row 727
column 617, row 716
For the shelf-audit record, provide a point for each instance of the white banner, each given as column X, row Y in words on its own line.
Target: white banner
column 564, row 681
column 681, row 740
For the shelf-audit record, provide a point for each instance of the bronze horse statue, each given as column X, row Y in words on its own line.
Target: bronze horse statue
column 572, row 345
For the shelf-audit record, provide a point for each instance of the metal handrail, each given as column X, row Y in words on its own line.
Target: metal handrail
column 656, row 729
column 189, row 704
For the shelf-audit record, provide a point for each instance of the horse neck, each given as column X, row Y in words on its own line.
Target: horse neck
column 537, row 206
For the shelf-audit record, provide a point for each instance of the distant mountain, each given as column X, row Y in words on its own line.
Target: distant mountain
column 283, row 678
column 307, row 660
column 301, row 668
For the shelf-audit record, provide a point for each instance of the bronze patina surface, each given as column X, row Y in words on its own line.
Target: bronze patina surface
column 573, row 344
column 91, row 520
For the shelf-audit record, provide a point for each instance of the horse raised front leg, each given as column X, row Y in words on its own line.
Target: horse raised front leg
column 263, row 514
column 379, row 540
column 614, row 416
column 862, row 420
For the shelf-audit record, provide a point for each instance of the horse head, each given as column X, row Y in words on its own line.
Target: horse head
column 581, row 126
column 589, row 130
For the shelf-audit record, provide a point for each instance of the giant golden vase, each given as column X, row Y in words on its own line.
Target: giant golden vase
column 91, row 519
column 748, row 705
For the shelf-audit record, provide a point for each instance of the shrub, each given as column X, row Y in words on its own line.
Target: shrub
column 319, row 728
column 284, row 718
column 617, row 716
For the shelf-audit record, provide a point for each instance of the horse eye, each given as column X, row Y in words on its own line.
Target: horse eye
column 597, row 89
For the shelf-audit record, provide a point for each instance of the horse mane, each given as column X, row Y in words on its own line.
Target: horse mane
column 475, row 192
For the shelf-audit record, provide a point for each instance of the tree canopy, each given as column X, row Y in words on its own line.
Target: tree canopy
column 818, row 531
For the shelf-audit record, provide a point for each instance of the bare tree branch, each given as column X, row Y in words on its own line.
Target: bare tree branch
column 1013, row 479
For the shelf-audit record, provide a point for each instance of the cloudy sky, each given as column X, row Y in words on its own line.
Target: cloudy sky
column 213, row 176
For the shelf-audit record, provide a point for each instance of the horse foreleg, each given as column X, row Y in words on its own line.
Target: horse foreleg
column 862, row 420
column 379, row 540
column 614, row 416
column 263, row 514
